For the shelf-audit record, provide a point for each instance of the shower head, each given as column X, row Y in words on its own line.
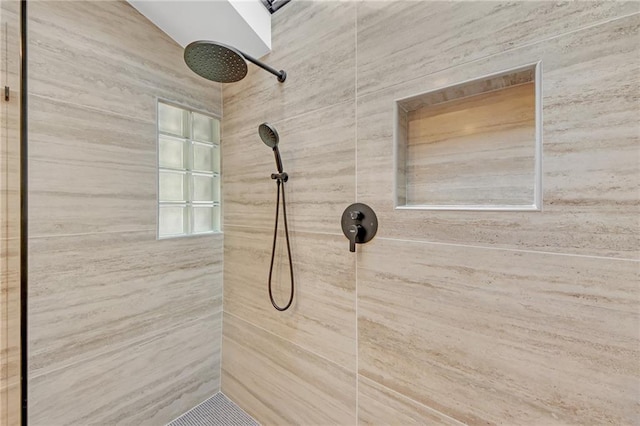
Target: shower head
column 219, row 62
column 270, row 137
column 215, row 61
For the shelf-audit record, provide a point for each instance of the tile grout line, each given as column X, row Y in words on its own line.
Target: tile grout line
column 622, row 259
column 221, row 332
column 342, row 367
column 10, row 383
column 439, row 413
column 302, row 114
column 130, row 231
column 112, row 348
column 80, row 234
column 91, row 108
column 222, row 227
column 522, row 46
column 406, row 240
column 355, row 102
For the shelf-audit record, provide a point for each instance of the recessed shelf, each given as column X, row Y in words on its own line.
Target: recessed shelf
column 475, row 145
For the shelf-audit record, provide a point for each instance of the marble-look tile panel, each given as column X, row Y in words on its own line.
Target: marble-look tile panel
column 148, row 382
column 11, row 405
column 403, row 40
column 10, row 402
column 378, row 405
column 10, row 398
column 320, row 164
column 591, row 133
column 278, row 382
column 89, row 171
column 500, row 336
column 314, row 42
column 10, row 313
column 322, row 317
column 88, row 293
column 106, row 55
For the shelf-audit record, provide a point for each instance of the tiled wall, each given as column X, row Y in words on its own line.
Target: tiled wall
column 122, row 328
column 445, row 317
column 10, row 215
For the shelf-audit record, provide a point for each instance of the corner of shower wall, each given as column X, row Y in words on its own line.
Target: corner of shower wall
column 10, row 386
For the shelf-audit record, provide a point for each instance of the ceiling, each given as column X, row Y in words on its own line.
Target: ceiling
column 243, row 24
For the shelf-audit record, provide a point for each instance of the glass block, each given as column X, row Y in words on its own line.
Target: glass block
column 216, row 131
column 204, row 157
column 203, row 128
column 206, row 219
column 171, row 152
column 217, row 218
column 171, row 220
column 172, row 186
column 205, row 188
column 173, row 120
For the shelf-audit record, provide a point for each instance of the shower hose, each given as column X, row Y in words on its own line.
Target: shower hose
column 280, row 179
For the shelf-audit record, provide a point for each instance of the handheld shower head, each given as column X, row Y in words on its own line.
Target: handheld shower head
column 269, row 136
column 219, row 62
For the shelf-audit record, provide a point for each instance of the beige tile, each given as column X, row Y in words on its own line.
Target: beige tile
column 10, row 399
column 9, row 313
column 10, row 405
column 88, row 293
column 403, row 40
column 278, row 382
column 320, row 164
column 378, row 405
column 123, row 328
column 314, row 42
column 499, row 336
column 149, row 382
column 108, row 56
column 89, row 171
column 479, row 150
column 322, row 317
column 590, row 134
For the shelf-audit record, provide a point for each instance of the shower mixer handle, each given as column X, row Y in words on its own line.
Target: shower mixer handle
column 359, row 224
column 355, row 233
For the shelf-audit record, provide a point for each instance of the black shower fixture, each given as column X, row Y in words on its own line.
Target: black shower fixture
column 270, row 137
column 273, row 5
column 224, row 64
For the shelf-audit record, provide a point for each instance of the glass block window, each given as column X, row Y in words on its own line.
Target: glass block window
column 188, row 172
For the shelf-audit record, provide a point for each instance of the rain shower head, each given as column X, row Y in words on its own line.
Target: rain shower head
column 215, row 61
column 219, row 62
column 269, row 136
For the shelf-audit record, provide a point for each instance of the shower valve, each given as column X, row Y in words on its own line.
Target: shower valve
column 355, row 234
column 359, row 224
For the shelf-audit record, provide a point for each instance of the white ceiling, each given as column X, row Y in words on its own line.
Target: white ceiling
column 243, row 24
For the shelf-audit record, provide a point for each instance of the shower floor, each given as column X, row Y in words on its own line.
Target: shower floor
column 215, row 411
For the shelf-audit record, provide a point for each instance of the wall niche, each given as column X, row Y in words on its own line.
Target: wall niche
column 475, row 145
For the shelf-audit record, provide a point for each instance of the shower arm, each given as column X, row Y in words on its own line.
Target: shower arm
column 280, row 74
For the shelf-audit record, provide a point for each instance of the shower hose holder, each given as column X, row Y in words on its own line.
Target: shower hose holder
column 283, row 177
column 359, row 224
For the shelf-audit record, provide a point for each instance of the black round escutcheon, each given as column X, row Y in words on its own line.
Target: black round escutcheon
column 359, row 224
